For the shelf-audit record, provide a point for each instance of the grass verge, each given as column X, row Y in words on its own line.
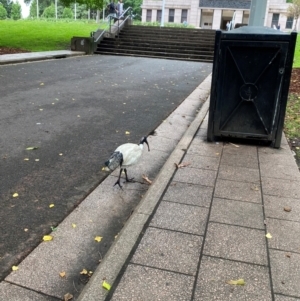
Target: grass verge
column 292, row 124
column 43, row 35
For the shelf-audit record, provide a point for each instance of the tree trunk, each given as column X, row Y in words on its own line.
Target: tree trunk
column 98, row 16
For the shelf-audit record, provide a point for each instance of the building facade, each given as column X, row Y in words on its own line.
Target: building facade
column 214, row 14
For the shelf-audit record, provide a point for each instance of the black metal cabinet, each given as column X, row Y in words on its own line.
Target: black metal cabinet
column 250, row 82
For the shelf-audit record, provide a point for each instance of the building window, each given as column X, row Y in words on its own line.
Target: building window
column 184, row 15
column 289, row 22
column 275, row 20
column 171, row 15
column 158, row 16
column 149, row 15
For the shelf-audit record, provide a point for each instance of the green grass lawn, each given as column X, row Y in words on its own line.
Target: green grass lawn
column 297, row 53
column 43, row 35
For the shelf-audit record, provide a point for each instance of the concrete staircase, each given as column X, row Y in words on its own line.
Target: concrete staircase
column 161, row 42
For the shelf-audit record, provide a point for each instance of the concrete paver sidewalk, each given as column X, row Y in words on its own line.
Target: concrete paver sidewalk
column 210, row 226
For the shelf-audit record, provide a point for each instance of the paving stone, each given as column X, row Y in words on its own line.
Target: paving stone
column 274, row 207
column 162, row 143
column 199, row 176
column 280, row 171
column 173, row 251
column 189, row 194
column 285, row 298
column 240, row 149
column 166, row 129
column 148, row 284
column 285, row 273
column 209, row 149
column 204, row 162
column 239, row 160
column 214, row 274
column 237, row 213
column 180, row 217
column 280, row 158
column 10, row 292
column 240, row 191
column 285, row 235
column 281, row 187
column 237, row 243
column 238, row 173
column 283, row 150
column 202, row 133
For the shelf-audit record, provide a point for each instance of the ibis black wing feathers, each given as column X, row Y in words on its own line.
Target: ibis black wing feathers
column 115, row 160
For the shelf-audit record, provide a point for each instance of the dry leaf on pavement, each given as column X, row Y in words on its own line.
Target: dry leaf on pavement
column 183, row 164
column 47, row 238
column 287, row 209
column 68, row 297
column 147, row 179
column 236, row 282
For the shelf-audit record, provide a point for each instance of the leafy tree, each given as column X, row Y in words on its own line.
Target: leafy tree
column 16, row 11
column 49, row 12
column 136, row 7
column 43, row 4
column 7, row 4
column 294, row 11
column 3, row 12
column 67, row 13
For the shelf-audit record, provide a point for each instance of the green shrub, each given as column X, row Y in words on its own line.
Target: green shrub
column 3, row 12
column 16, row 11
column 49, row 12
column 67, row 13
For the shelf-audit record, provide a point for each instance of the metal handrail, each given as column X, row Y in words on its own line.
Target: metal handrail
column 110, row 17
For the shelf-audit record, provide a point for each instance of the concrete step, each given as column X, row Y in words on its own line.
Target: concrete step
column 187, row 56
column 136, row 48
column 169, row 43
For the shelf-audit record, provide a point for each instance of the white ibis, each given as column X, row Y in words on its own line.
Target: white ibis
column 126, row 155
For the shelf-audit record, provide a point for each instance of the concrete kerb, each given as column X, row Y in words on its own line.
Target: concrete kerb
column 37, row 56
column 118, row 254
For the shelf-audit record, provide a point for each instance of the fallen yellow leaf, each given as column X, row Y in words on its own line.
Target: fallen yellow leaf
column 268, row 235
column 62, row 274
column 106, row 285
column 15, row 195
column 74, row 225
column 98, row 238
column 14, row 268
column 47, row 237
column 236, row 282
column 84, row 272
column 127, row 133
column 41, row 84
column 51, row 205
column 31, row 148
column 68, row 297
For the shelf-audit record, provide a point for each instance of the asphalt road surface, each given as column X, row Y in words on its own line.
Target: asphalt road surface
column 75, row 112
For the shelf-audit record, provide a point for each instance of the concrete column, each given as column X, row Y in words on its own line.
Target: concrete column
column 238, row 16
column 154, row 15
column 144, row 13
column 193, row 13
column 217, row 19
column 177, row 16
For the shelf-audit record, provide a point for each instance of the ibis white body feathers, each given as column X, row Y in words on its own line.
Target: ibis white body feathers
column 126, row 155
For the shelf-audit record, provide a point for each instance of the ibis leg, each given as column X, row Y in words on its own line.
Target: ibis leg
column 118, row 182
column 127, row 180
